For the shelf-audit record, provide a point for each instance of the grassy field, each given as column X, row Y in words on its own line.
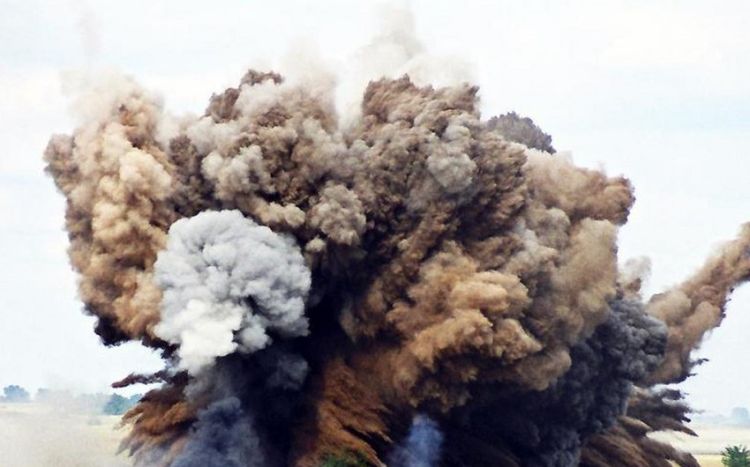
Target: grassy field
column 35, row 435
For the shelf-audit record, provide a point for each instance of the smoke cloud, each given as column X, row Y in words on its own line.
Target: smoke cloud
column 228, row 283
column 223, row 436
column 421, row 448
column 416, row 284
column 697, row 305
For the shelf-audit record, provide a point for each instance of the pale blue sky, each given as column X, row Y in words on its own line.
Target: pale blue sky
column 656, row 90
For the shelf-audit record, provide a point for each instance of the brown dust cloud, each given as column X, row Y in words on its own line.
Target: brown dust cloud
column 416, row 285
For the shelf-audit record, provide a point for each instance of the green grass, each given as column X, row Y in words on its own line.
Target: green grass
column 345, row 460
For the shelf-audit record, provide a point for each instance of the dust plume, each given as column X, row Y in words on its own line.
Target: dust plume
column 698, row 304
column 418, row 286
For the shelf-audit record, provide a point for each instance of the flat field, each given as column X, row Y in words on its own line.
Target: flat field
column 711, row 440
column 38, row 435
column 710, row 460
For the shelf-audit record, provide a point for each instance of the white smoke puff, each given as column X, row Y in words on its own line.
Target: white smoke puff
column 228, row 284
column 208, row 135
column 634, row 273
column 98, row 96
column 259, row 98
column 394, row 52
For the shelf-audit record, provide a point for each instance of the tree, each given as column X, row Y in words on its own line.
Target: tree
column 735, row 456
column 118, row 405
column 14, row 393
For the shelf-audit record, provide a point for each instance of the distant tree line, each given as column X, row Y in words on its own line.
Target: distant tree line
column 14, row 394
column 118, row 405
column 107, row 404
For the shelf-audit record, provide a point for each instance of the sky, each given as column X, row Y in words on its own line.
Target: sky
column 656, row 90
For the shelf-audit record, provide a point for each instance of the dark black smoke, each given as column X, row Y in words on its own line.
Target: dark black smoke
column 548, row 428
column 252, row 402
column 521, row 130
column 223, row 436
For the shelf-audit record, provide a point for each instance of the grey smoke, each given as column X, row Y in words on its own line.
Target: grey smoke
column 422, row 445
column 522, row 130
column 287, row 370
column 223, row 436
column 549, row 427
column 253, row 399
column 229, row 285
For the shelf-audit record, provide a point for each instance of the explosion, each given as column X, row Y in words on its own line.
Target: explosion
column 416, row 287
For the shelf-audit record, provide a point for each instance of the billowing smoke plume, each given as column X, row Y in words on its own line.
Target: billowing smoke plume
column 550, row 427
column 227, row 284
column 418, row 286
column 697, row 305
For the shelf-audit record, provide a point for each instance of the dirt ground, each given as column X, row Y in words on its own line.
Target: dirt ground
column 710, row 460
column 710, row 442
column 35, row 435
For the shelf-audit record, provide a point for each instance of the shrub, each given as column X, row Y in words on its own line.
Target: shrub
column 735, row 456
